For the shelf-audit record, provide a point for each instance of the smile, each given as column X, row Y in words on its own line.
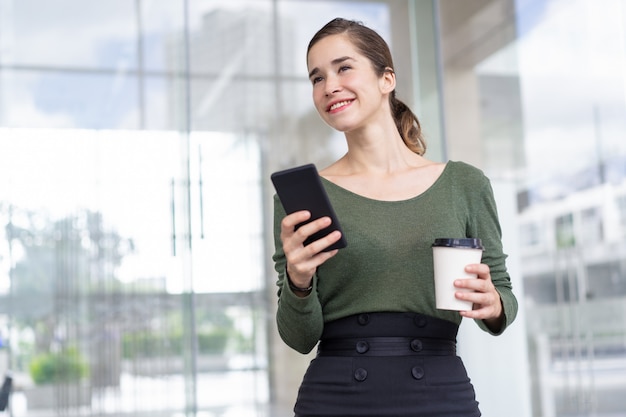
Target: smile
column 339, row 105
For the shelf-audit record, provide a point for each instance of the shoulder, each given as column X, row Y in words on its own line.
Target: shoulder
column 460, row 167
column 470, row 184
column 465, row 173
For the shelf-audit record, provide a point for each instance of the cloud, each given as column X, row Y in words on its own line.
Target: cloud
column 24, row 113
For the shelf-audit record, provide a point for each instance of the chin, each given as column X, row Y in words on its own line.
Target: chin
column 340, row 127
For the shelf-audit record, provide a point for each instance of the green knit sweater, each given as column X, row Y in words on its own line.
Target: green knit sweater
column 388, row 263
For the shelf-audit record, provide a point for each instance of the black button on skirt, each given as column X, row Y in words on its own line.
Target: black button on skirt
column 387, row 365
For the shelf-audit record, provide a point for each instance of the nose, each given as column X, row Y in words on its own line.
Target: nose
column 332, row 86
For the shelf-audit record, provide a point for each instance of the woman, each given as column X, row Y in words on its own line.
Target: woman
column 384, row 349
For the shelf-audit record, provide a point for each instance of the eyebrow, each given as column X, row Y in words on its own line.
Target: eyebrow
column 335, row 61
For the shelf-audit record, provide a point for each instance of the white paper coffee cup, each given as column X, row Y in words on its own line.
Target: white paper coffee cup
column 450, row 257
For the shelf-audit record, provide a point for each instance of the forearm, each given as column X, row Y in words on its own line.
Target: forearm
column 299, row 315
column 299, row 318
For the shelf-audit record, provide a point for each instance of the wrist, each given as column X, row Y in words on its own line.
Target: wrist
column 296, row 288
column 496, row 324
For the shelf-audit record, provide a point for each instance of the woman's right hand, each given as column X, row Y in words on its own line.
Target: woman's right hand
column 302, row 261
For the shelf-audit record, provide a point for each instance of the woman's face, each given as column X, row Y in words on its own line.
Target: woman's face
column 347, row 92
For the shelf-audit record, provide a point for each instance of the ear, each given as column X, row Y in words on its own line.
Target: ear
column 388, row 81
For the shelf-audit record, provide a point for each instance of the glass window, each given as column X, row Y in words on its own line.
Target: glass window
column 592, row 228
column 93, row 268
column 534, row 95
column 565, row 234
column 69, row 35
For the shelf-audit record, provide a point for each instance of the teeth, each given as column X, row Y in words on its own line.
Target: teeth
column 340, row 104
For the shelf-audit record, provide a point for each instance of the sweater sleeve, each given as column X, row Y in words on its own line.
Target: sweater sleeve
column 484, row 224
column 299, row 320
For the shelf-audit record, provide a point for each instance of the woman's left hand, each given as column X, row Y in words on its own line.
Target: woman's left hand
column 485, row 297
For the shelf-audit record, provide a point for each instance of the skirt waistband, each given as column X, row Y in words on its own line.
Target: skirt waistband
column 386, row 346
column 388, row 334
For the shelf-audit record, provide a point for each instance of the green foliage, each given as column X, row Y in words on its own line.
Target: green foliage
column 214, row 341
column 63, row 255
column 58, row 367
column 149, row 345
column 215, row 334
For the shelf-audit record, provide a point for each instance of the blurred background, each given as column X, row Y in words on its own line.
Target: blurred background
column 136, row 142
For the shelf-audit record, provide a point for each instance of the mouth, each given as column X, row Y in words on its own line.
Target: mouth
column 339, row 105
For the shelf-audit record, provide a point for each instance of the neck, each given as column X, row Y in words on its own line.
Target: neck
column 378, row 151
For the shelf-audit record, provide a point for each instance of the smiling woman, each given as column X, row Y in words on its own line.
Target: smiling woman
column 384, row 349
column 132, row 146
column 133, row 142
column 338, row 74
column 159, row 122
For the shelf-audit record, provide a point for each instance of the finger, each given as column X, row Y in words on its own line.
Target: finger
column 302, row 267
column 322, row 257
column 478, row 298
column 474, row 284
column 480, row 312
column 290, row 221
column 313, row 227
column 481, row 270
column 292, row 238
column 485, row 304
column 324, row 242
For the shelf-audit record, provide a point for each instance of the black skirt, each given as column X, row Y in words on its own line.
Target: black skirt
column 387, row 365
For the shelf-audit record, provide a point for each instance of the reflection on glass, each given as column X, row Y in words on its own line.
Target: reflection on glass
column 97, row 315
column 547, row 86
column 61, row 99
column 69, row 34
column 226, row 213
column 567, row 80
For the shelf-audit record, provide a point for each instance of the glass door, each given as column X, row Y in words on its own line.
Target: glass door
column 227, row 269
column 535, row 97
column 110, row 306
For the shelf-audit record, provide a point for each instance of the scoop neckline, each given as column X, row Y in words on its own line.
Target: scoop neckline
column 409, row 199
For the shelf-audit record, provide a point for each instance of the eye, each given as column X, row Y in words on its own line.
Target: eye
column 315, row 80
column 344, row 68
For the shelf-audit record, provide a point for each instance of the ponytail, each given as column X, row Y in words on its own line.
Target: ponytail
column 408, row 125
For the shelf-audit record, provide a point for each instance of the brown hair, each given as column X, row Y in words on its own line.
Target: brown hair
column 371, row 45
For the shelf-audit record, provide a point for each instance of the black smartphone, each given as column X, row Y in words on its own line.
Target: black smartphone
column 300, row 188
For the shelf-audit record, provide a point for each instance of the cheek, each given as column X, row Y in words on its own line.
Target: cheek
column 317, row 96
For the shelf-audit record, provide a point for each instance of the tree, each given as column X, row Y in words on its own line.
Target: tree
column 58, row 263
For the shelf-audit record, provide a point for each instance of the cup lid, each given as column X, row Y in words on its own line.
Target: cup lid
column 466, row 242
